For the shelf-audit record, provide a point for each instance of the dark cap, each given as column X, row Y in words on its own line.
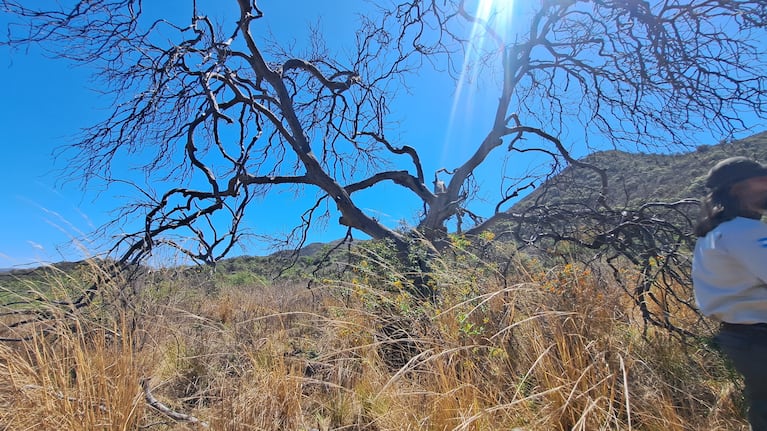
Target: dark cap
column 732, row 170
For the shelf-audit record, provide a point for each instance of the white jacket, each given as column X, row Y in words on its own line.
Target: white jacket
column 729, row 272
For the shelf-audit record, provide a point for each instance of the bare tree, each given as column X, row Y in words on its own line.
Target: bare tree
column 224, row 116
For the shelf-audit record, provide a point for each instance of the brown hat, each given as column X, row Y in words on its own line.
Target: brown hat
column 732, row 170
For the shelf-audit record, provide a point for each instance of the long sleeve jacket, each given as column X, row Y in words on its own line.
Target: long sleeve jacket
column 729, row 272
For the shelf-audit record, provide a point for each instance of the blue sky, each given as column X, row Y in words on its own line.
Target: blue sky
column 47, row 101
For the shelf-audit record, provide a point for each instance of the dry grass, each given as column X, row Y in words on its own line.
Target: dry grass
column 559, row 349
column 87, row 379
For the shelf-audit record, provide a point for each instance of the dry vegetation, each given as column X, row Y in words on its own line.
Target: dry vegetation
column 522, row 346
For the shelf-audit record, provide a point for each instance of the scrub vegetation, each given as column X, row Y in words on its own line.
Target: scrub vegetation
column 510, row 341
column 546, row 338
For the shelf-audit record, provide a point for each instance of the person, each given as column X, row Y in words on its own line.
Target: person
column 729, row 272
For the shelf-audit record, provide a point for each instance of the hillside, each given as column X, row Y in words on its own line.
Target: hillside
column 635, row 178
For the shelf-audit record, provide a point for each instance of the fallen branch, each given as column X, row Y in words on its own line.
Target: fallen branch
column 165, row 410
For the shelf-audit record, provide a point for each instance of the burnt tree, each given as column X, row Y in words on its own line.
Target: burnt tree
column 221, row 116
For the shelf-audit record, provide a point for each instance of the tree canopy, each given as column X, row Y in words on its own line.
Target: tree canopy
column 223, row 116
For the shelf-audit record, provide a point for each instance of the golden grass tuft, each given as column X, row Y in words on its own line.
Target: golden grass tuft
column 85, row 379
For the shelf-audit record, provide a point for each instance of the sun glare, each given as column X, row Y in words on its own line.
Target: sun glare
column 492, row 25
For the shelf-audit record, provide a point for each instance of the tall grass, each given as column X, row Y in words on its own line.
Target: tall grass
column 532, row 348
column 75, row 378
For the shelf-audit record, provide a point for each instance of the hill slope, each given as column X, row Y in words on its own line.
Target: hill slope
column 637, row 178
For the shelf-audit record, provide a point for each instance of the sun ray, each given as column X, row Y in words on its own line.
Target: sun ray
column 492, row 21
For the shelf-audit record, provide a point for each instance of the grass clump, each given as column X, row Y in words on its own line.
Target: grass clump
column 81, row 377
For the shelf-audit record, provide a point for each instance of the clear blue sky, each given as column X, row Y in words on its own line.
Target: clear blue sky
column 47, row 101
column 44, row 104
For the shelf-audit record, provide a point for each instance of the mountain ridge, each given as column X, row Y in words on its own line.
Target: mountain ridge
column 634, row 178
